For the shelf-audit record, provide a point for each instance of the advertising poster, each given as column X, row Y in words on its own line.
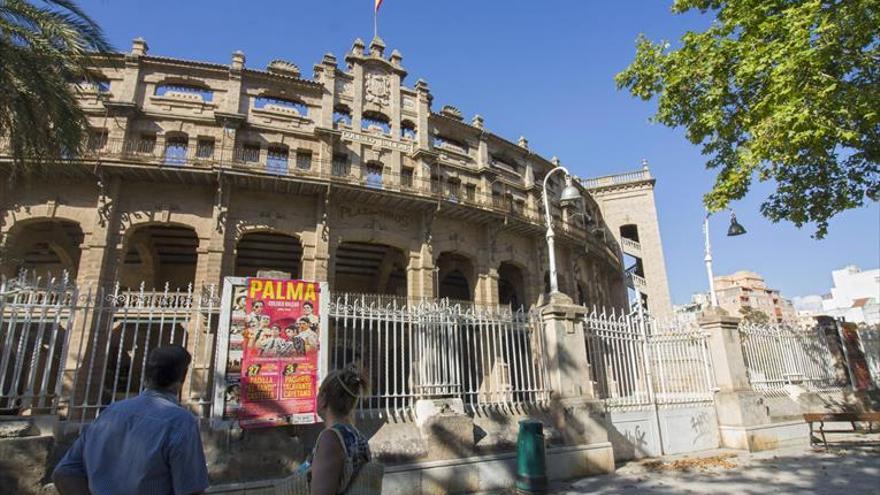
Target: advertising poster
column 274, row 352
column 858, row 365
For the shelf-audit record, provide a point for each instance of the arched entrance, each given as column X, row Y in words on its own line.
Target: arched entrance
column 47, row 247
column 455, row 274
column 369, row 268
column 159, row 255
column 257, row 251
column 511, row 289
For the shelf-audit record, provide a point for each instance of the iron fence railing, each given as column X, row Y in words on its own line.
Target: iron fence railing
column 487, row 357
column 74, row 351
column 637, row 361
column 779, row 355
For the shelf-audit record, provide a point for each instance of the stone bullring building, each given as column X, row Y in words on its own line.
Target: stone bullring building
column 194, row 171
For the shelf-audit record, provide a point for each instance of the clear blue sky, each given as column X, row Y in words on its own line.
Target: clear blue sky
column 539, row 69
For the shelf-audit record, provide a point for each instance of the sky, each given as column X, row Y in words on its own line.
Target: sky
column 544, row 70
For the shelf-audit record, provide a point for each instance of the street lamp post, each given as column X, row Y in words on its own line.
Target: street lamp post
column 735, row 229
column 569, row 193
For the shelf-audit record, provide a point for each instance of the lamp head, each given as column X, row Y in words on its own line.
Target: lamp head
column 569, row 193
column 735, row 228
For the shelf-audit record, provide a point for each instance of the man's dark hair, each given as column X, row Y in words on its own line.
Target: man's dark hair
column 309, row 305
column 167, row 365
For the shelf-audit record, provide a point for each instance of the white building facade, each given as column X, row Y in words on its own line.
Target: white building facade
column 855, row 295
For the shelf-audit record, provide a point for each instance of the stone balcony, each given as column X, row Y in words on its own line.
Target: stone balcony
column 152, row 160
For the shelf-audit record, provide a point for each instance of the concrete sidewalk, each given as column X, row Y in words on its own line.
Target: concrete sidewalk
column 851, row 466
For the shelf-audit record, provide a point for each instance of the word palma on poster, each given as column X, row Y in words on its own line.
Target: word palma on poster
column 272, row 352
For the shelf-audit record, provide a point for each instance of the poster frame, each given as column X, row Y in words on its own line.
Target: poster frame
column 221, row 351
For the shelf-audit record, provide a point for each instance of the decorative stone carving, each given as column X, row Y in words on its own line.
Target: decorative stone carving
column 283, row 68
column 451, row 112
column 378, row 89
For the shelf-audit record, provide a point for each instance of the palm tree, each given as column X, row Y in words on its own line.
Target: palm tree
column 45, row 48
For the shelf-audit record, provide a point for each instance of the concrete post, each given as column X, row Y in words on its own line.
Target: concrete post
column 744, row 420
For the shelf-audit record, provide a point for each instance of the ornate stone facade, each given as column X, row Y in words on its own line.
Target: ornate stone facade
column 195, row 171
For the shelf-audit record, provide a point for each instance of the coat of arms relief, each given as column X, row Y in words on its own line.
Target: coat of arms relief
column 378, row 89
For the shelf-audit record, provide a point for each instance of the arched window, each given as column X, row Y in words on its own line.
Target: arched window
column 407, row 130
column 450, row 144
column 342, row 115
column 185, row 89
column 175, row 149
column 268, row 102
column 373, row 175
column 376, row 120
column 276, row 159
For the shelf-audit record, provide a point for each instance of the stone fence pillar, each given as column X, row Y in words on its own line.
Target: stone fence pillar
column 744, row 420
column 568, row 371
column 576, row 414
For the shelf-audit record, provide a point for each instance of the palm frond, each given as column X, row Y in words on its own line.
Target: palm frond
column 45, row 48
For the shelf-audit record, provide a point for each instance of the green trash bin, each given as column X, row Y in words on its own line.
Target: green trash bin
column 531, row 465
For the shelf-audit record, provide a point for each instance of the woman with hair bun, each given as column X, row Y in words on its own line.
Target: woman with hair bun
column 341, row 450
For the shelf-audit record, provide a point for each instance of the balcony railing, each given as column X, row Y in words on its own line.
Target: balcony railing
column 617, row 179
column 630, row 246
column 205, row 155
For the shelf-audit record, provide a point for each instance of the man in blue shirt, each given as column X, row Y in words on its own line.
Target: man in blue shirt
column 148, row 444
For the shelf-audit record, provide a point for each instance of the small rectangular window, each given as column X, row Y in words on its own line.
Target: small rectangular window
column 303, row 160
column 175, row 150
column 205, row 148
column 470, row 192
column 276, row 160
column 435, row 184
column 341, row 165
column 146, row 144
column 97, row 139
column 249, row 153
column 406, row 177
column 453, row 190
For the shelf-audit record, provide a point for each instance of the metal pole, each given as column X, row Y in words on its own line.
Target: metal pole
column 551, row 252
column 713, row 297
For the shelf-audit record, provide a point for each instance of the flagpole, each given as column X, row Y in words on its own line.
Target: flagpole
column 375, row 23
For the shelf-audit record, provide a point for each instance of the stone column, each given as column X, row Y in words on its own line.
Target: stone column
column 744, row 420
column 101, row 252
column 316, row 245
column 486, row 290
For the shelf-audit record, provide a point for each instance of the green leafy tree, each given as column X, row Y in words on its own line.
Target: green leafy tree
column 755, row 316
column 45, row 47
column 786, row 91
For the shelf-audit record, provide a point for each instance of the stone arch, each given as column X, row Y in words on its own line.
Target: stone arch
column 456, row 276
column 511, row 284
column 49, row 246
column 157, row 254
column 268, row 249
column 369, row 267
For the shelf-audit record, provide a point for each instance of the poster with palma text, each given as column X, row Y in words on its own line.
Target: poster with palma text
column 283, row 339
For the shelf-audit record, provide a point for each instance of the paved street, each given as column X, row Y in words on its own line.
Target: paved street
column 852, row 468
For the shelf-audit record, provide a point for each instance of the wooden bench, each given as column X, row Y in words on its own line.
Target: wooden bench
column 848, row 417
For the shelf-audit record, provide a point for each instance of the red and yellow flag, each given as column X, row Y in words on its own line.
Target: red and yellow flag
column 378, row 4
